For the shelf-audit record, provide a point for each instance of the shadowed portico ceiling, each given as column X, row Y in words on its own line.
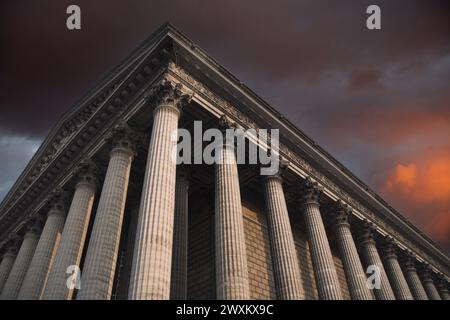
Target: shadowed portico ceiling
column 88, row 117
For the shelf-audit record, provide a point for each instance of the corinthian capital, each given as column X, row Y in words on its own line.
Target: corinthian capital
column 342, row 213
column 225, row 123
column 311, row 191
column 441, row 283
column 409, row 261
column 427, row 272
column 33, row 227
column 87, row 172
column 282, row 167
column 366, row 232
column 389, row 247
column 58, row 200
column 168, row 94
column 123, row 136
column 13, row 244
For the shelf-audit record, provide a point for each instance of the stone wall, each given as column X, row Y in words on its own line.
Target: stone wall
column 262, row 285
column 201, row 262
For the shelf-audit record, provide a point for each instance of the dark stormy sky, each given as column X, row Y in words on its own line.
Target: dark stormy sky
column 379, row 101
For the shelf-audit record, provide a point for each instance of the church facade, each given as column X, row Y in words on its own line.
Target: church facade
column 103, row 212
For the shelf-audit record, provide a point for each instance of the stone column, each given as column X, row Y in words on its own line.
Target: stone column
column 371, row 257
column 354, row 272
column 285, row 263
column 231, row 257
column 442, row 286
column 22, row 262
column 100, row 263
column 324, row 269
column 178, row 284
column 7, row 261
column 46, row 249
column 394, row 272
column 428, row 284
column 152, row 258
column 412, row 278
column 73, row 236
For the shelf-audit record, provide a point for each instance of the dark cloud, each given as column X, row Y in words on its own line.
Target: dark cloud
column 15, row 154
column 364, row 78
column 374, row 99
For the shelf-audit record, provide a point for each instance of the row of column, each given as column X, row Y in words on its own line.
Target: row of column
column 46, row 266
column 394, row 283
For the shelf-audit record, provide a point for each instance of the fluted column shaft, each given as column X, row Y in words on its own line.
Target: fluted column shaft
column 354, row 272
column 152, row 258
column 178, row 290
column 414, row 282
column 327, row 280
column 284, row 257
column 72, row 240
column 6, row 266
column 429, row 286
column 40, row 265
column 101, row 257
column 396, row 277
column 231, row 257
column 20, row 266
column 370, row 255
column 324, row 269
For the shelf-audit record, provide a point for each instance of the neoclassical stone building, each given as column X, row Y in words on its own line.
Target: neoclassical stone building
column 103, row 194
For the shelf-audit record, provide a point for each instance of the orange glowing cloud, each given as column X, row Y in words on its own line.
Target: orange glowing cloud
column 436, row 183
column 404, row 178
column 421, row 191
column 391, row 127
